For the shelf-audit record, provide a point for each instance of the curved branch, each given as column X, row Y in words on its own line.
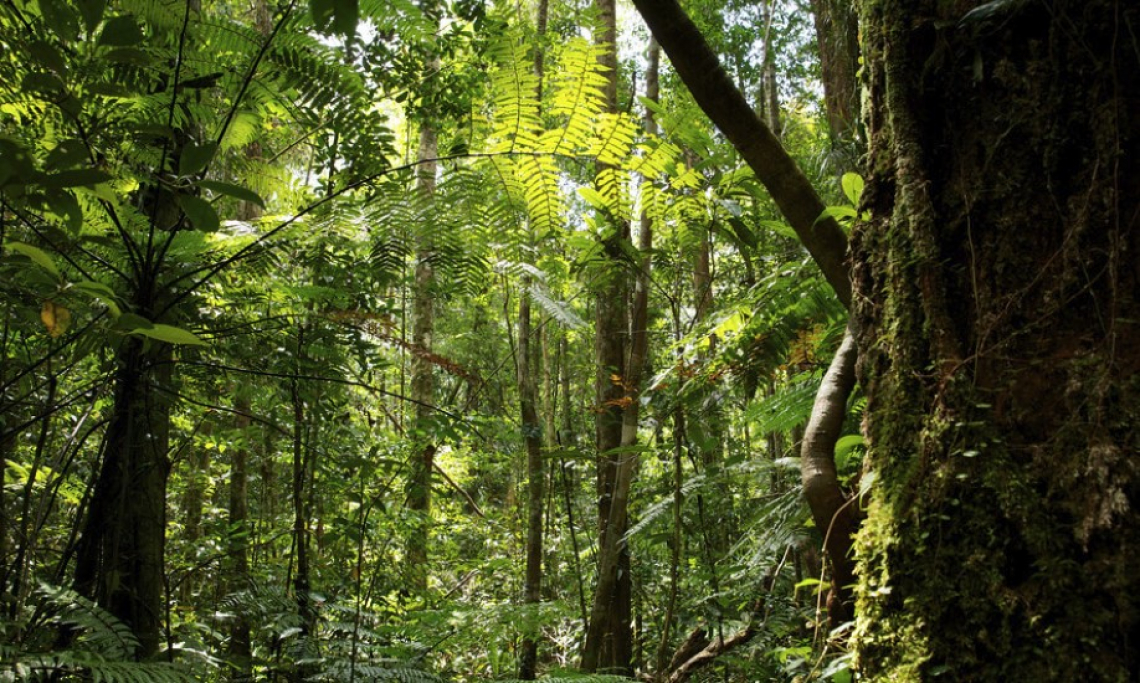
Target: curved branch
column 833, row 517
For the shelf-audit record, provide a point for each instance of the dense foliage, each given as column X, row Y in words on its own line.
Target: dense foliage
column 212, row 230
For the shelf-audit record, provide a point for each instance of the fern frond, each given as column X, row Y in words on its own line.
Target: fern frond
column 98, row 630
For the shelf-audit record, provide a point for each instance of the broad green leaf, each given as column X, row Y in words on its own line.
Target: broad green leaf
column 195, row 158
column 131, row 322
column 845, row 447
column 60, row 18
column 76, row 177
column 48, row 84
column 128, row 55
column 67, row 154
column 852, row 187
column 38, row 256
column 48, row 56
column 346, row 14
column 101, row 292
column 121, row 31
column 66, row 206
column 92, row 11
column 837, row 212
column 235, row 191
column 169, row 334
column 201, row 214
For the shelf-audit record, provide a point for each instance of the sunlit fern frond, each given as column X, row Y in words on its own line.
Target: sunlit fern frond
column 516, row 122
column 788, row 407
column 577, row 98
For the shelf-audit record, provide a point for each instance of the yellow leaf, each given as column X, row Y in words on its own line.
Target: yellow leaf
column 55, row 317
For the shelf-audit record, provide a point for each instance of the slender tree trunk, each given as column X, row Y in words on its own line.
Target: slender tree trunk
column 302, row 579
column 531, row 428
column 608, row 642
column 996, row 321
column 423, row 380
column 769, row 85
column 240, row 643
column 536, row 476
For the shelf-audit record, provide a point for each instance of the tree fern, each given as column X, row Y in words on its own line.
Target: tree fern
column 101, row 648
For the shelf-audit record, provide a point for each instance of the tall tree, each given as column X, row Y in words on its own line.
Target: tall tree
column 532, row 428
column 996, row 322
column 609, row 644
column 423, row 379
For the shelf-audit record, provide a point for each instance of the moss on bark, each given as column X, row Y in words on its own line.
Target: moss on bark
column 996, row 310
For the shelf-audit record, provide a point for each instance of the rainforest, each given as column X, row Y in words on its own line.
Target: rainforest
column 569, row 340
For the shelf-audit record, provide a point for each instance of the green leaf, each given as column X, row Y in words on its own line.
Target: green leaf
column 47, row 56
column 121, row 31
column 101, row 292
column 92, row 11
column 845, row 447
column 195, row 158
column 200, row 212
column 852, row 187
column 322, row 12
column 80, row 176
column 231, row 190
column 130, row 323
column 38, row 256
column 66, row 206
column 60, row 18
column 169, row 334
column 346, row 15
column 128, row 55
column 837, row 212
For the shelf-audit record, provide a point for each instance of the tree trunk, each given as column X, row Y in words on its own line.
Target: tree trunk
column 121, row 551
column 532, row 430
column 532, row 437
column 609, row 644
column 837, row 36
column 240, row 643
column 996, row 320
column 423, row 380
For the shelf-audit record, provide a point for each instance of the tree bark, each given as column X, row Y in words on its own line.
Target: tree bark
column 121, row 551
column 996, row 321
column 837, row 36
column 240, row 643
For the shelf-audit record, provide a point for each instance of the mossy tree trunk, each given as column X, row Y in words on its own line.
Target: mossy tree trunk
column 996, row 316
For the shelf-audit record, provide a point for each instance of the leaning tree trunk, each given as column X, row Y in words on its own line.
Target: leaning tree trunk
column 996, row 310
